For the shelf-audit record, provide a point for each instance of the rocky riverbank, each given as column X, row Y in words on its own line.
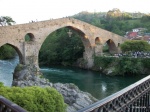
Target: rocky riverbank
column 73, row 97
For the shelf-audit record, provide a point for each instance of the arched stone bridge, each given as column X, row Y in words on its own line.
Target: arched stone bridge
column 93, row 38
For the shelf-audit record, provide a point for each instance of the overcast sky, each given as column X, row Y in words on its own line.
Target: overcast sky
column 23, row 11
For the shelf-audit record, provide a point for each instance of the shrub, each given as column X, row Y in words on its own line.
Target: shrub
column 35, row 99
column 123, row 65
column 146, row 62
column 129, row 66
column 135, row 45
column 103, row 61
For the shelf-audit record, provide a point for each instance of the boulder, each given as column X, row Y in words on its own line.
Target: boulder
column 73, row 97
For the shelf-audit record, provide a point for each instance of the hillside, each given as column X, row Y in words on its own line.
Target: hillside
column 115, row 20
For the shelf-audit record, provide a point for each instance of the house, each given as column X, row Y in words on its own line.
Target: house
column 131, row 35
column 136, row 34
column 139, row 30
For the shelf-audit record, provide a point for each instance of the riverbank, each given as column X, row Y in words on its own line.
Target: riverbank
column 119, row 65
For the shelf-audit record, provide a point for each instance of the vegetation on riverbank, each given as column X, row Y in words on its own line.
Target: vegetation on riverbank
column 122, row 65
column 135, row 45
column 35, row 99
column 127, row 64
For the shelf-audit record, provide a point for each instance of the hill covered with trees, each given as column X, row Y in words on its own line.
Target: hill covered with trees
column 115, row 20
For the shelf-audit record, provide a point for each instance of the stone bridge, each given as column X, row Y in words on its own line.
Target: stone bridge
column 93, row 38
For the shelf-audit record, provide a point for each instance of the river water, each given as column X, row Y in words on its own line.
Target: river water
column 97, row 84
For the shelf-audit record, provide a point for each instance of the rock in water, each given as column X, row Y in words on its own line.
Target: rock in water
column 73, row 97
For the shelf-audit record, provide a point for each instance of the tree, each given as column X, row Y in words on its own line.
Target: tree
column 135, row 45
column 6, row 20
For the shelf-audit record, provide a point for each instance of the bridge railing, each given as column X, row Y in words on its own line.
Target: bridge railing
column 8, row 106
column 134, row 98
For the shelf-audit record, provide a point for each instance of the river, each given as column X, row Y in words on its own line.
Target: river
column 97, row 84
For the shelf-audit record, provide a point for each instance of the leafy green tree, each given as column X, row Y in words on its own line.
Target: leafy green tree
column 135, row 45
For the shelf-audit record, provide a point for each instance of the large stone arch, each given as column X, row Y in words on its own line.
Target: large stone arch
column 21, row 59
column 80, row 30
column 84, row 38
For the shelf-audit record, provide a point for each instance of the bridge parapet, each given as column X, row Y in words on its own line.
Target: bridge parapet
column 134, row 98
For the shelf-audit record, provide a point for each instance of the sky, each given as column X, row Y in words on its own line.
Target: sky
column 24, row 11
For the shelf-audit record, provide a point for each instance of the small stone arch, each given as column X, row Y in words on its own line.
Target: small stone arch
column 111, row 46
column 29, row 37
column 84, row 38
column 97, row 41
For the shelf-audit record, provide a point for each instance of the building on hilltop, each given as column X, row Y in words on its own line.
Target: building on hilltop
column 138, row 34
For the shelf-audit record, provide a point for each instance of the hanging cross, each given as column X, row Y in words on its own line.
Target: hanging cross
column 69, row 33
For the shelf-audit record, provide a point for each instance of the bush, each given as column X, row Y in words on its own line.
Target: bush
column 135, row 45
column 123, row 65
column 146, row 62
column 103, row 61
column 130, row 66
column 35, row 99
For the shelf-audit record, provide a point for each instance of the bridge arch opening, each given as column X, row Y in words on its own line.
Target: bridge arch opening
column 109, row 47
column 10, row 56
column 29, row 37
column 11, row 51
column 97, row 41
column 68, row 48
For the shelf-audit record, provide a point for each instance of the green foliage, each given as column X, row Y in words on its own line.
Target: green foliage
column 116, row 21
column 103, row 61
column 135, row 45
column 60, row 48
column 6, row 20
column 124, row 65
column 27, row 38
column 129, row 66
column 7, row 52
column 35, row 99
column 18, row 68
column 146, row 62
column 106, row 48
column 1, row 84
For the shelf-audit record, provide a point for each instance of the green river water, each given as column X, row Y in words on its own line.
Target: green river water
column 99, row 85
